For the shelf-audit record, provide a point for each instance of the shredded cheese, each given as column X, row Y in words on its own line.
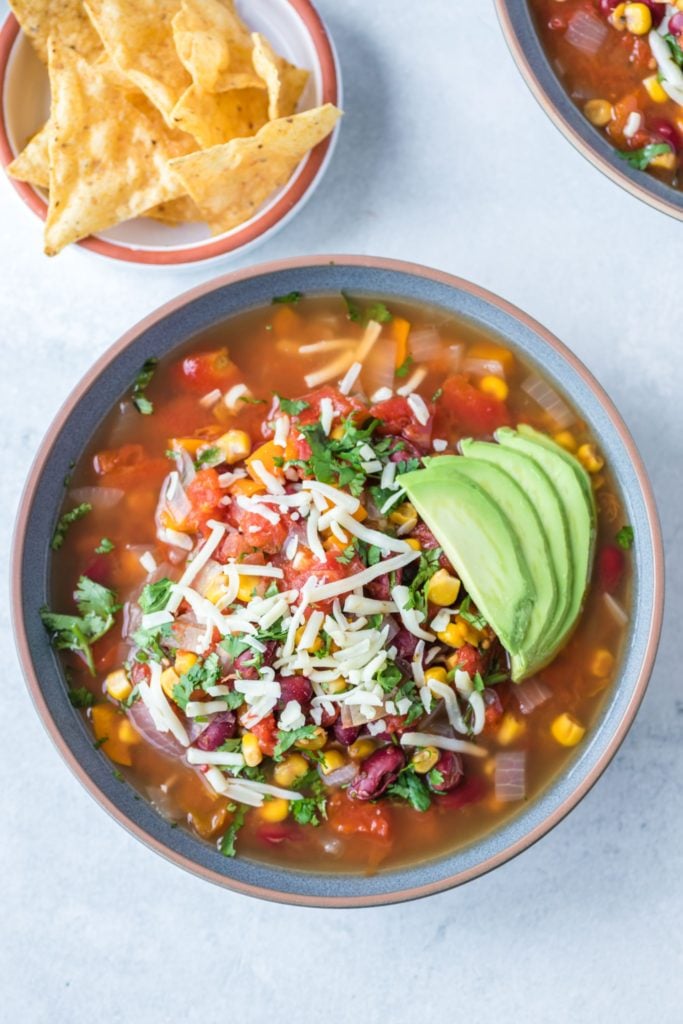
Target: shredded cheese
column 427, row 739
column 350, row 378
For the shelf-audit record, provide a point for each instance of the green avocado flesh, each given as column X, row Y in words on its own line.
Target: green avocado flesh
column 517, row 521
column 480, row 541
column 565, row 472
column 512, row 500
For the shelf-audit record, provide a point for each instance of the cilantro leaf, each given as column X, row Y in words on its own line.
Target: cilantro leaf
column 97, row 606
column 291, row 406
column 410, row 787
column 81, row 697
column 142, row 381
column 376, row 311
column 306, row 811
column 676, row 51
column 625, row 538
column 65, row 522
column 389, row 676
column 291, row 298
column 209, row 457
column 155, row 596
column 202, row 675
column 642, row 158
column 435, row 777
column 285, row 740
column 379, row 313
column 149, row 642
column 353, row 310
column 105, row 546
column 475, row 619
column 227, row 844
column 406, row 366
column 427, row 566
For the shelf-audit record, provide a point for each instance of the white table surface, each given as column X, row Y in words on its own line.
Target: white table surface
column 444, row 159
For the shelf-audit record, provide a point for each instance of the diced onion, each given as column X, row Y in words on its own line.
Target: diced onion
column 510, row 775
column 586, row 32
column 548, row 400
column 483, row 367
column 615, row 610
column 531, row 694
column 425, row 344
column 98, row 497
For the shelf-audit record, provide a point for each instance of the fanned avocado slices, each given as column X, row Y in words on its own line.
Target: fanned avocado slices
column 517, row 520
column 502, row 488
column 482, row 544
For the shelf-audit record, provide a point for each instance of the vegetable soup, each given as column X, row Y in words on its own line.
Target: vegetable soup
column 341, row 584
column 622, row 64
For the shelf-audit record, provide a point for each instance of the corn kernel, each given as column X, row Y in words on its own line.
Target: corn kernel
column 590, row 458
column 169, row 680
column 337, row 432
column 184, row 660
column 443, row 588
column 453, row 634
column 654, row 89
column 248, row 585
column 235, row 445
column 247, row 487
column 566, row 440
column 618, row 17
column 289, row 770
column 315, row 646
column 424, row 760
column 404, row 516
column 437, row 674
column 361, row 749
column 666, row 161
column 118, row 685
column 510, row 730
column 315, row 742
column 331, row 761
column 602, row 663
column 274, row 810
column 495, row 387
column 598, row 112
column 413, row 543
column 217, row 588
column 638, row 18
column 251, row 750
column 567, row 730
column 336, row 685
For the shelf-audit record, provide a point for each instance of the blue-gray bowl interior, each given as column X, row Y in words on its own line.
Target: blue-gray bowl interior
column 526, row 34
column 175, row 328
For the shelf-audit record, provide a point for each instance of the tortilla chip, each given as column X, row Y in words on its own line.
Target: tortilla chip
column 32, row 164
column 177, row 211
column 39, row 19
column 138, row 37
column 214, row 46
column 284, row 81
column 230, row 182
column 109, row 159
column 217, row 118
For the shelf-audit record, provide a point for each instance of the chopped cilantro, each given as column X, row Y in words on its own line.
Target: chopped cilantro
column 339, row 460
column 474, row 619
column 65, row 522
column 381, row 495
column 313, row 808
column 105, row 546
column 80, row 697
column 306, row 811
column 347, row 555
column 97, row 606
column 389, row 676
column 404, row 369
column 227, row 842
column 149, row 642
column 202, row 675
column 435, row 778
column 128, row 701
column 250, row 400
column 478, row 682
column 142, row 381
column 437, row 394
column 427, row 566
column 625, row 537
column 409, row 786
column 118, row 775
column 415, row 711
column 100, row 742
column 209, row 457
column 292, row 406
column 285, row 740
column 155, row 596
column 234, row 645
column 676, row 51
column 290, row 299
column 377, row 311
column 642, row 158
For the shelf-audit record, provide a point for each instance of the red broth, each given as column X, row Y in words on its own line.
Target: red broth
column 470, row 383
column 618, row 85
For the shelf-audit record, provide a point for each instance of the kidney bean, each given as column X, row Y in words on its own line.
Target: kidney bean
column 657, row 11
column 402, row 450
column 451, row 768
column 380, row 588
column 377, row 773
column 664, row 130
column 242, row 663
column 346, row 736
column 222, row 727
column 676, row 23
column 294, row 688
column 405, row 644
column 611, row 563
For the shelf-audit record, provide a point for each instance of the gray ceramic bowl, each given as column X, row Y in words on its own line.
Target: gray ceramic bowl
column 106, row 383
column 526, row 47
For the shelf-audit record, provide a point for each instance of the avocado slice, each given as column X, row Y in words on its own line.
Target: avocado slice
column 579, row 510
column 509, row 496
column 483, row 546
column 535, row 435
column 545, row 499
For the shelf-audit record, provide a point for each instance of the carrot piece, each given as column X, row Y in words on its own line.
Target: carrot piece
column 400, row 329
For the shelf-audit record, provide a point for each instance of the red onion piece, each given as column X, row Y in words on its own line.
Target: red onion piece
column 548, row 400
column 531, row 694
column 425, row 344
column 98, row 497
column 586, row 32
column 340, row 776
column 510, row 775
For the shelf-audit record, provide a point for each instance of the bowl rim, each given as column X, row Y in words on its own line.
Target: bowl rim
column 299, row 188
column 653, row 624
column 524, row 43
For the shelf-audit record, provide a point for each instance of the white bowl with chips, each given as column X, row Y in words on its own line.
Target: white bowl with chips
column 295, row 30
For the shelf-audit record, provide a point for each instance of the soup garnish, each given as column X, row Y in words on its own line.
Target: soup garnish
column 333, row 594
column 622, row 64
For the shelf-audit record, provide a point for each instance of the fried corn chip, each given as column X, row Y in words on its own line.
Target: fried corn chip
column 230, row 182
column 177, row 211
column 68, row 19
column 109, row 157
column 214, row 46
column 32, row 164
column 138, row 37
column 214, row 118
column 284, row 81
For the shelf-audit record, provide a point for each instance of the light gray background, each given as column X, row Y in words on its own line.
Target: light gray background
column 445, row 159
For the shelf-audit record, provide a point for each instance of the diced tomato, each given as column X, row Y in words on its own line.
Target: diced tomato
column 256, row 533
column 233, row 546
column 265, row 732
column 139, row 673
column 343, row 405
column 494, row 707
column 201, row 372
column 465, row 408
column 611, row 565
column 471, row 791
column 471, row 660
column 328, row 571
column 397, row 418
column 350, row 817
column 124, row 457
column 99, row 570
column 204, row 494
